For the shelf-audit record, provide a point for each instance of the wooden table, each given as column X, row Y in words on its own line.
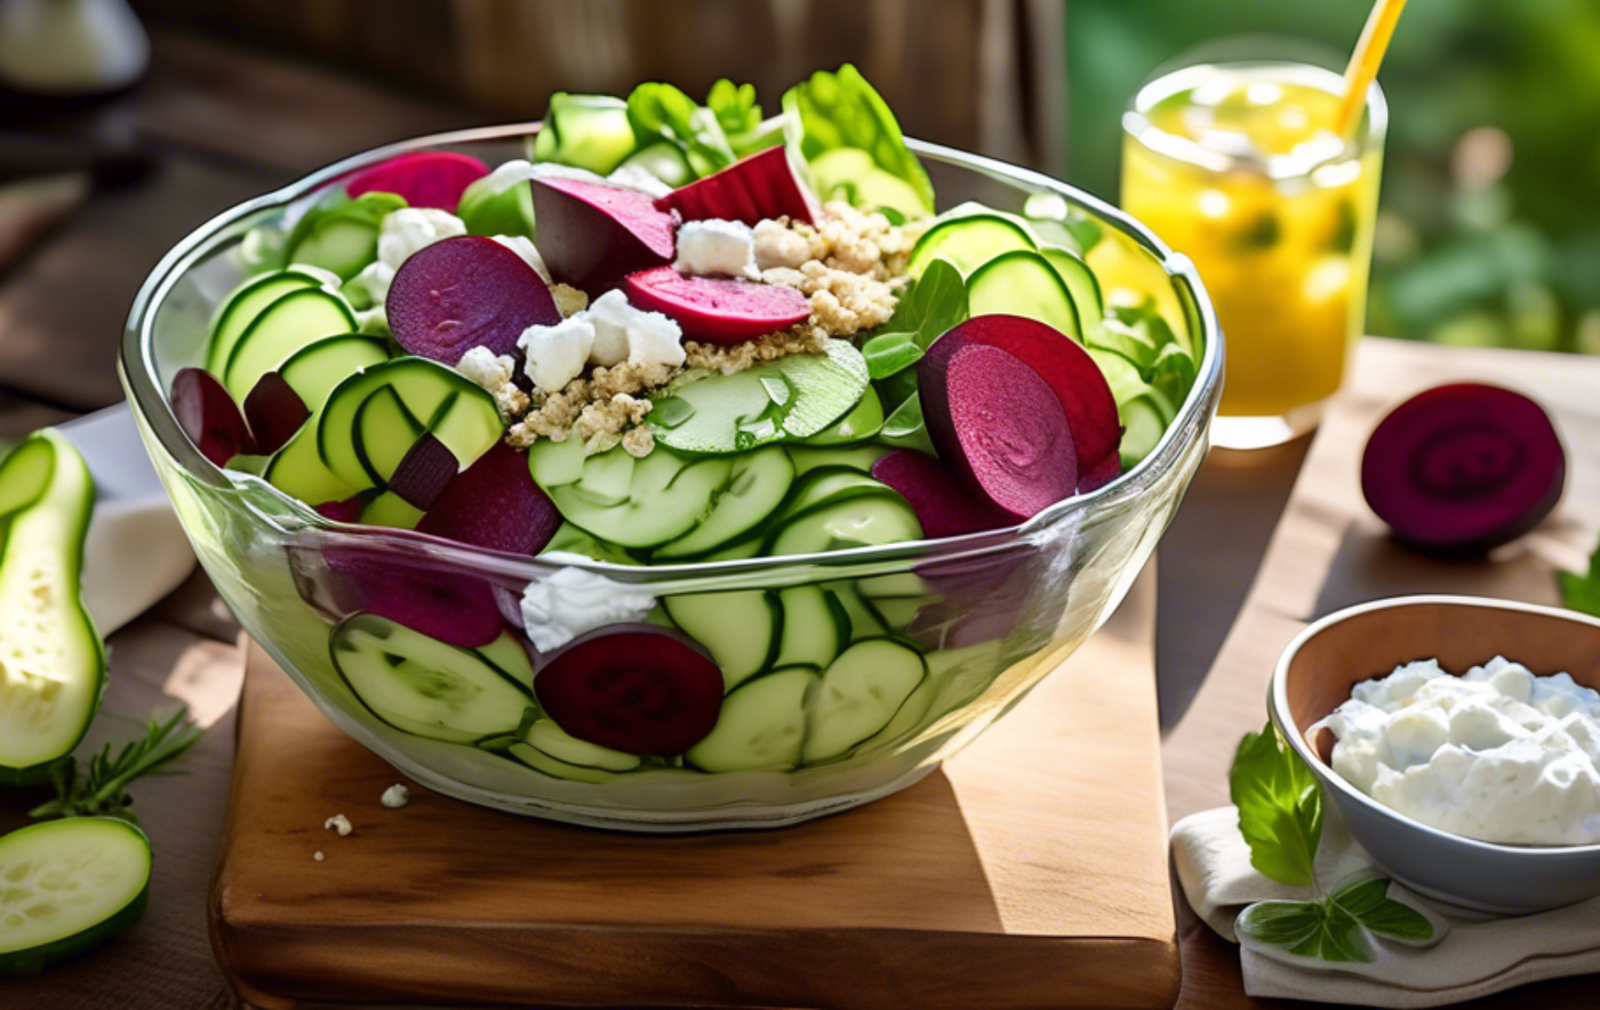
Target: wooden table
column 61, row 311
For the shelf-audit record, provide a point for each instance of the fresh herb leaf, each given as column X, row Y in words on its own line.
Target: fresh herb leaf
column 661, row 113
column 735, row 106
column 904, row 427
column 1338, row 928
column 935, row 304
column 1367, row 901
column 585, row 131
column 888, row 353
column 102, row 790
column 831, row 114
column 1582, row 592
column 1140, row 335
column 1280, row 808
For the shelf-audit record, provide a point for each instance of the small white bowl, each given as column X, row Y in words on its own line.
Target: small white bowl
column 1314, row 676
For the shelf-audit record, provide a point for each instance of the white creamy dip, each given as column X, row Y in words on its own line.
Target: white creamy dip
column 1498, row 754
column 570, row 602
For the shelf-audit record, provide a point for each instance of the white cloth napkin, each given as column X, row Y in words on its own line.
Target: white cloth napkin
column 1474, row 956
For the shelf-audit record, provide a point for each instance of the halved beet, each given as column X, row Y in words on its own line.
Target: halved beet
column 424, row 471
column 591, row 235
column 635, row 688
column 752, row 189
column 424, row 178
column 495, row 504
column 466, row 292
column 274, row 412
column 942, row 506
column 207, row 414
column 717, row 309
column 998, row 425
column 1464, row 468
column 1071, row 373
column 428, row 596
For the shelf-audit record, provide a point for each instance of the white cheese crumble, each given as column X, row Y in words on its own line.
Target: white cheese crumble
column 717, row 248
column 487, row 369
column 556, row 354
column 570, row 602
column 318, row 856
column 520, row 245
column 396, row 796
column 624, row 333
column 506, row 175
column 1498, row 754
column 339, row 823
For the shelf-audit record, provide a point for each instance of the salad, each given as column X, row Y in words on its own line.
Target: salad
column 676, row 332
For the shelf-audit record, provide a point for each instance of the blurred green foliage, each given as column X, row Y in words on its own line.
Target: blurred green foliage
column 1472, row 248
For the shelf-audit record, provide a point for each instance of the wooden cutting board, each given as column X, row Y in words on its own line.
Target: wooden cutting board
column 1030, row 872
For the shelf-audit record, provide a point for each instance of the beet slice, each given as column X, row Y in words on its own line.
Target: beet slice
column 1462, row 469
column 942, row 506
column 428, row 596
column 423, row 178
column 274, row 412
column 494, row 504
column 635, row 688
column 591, row 235
column 423, row 472
column 347, row 510
column 1071, row 373
column 720, row 310
column 466, row 292
column 998, row 425
column 753, row 189
column 207, row 414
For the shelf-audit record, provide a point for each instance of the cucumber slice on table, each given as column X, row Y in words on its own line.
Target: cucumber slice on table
column 968, row 242
column 756, row 485
column 788, row 399
column 241, row 308
column 854, row 457
column 740, row 629
column 859, row 694
column 66, row 886
column 643, row 502
column 815, row 627
column 298, row 319
column 314, row 370
column 1023, row 283
column 423, row 686
column 54, row 662
column 762, row 725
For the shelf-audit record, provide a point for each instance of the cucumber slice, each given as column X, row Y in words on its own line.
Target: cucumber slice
column 1023, row 283
column 762, row 725
column 826, row 486
column 666, row 496
column 241, row 308
column 296, row 320
column 858, row 695
column 856, row 457
column 298, row 471
column 967, row 242
column 863, row 422
column 864, row 623
column 904, row 584
column 897, row 612
column 456, row 410
column 544, row 735
column 585, row 131
column 556, row 768
column 314, row 370
column 489, row 207
column 741, row 630
column 422, row 686
column 815, row 627
column 385, row 432
column 860, row 521
column 664, row 161
column 507, row 655
column 66, row 886
column 554, row 464
column 757, row 483
column 748, row 546
column 788, row 399
column 1144, row 421
column 53, row 667
column 345, row 246
column 1081, row 284
column 389, row 509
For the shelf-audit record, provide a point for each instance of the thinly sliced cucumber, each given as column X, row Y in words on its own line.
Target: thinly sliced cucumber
column 391, row 510
column 858, row 695
column 1081, row 284
column 241, row 308
column 855, row 457
column 67, row 886
column 791, row 398
column 52, row 662
column 826, row 486
column 490, row 207
column 747, row 546
column 585, row 131
column 423, row 686
column 569, row 539
column 507, row 655
column 297, row 320
column 911, row 715
column 968, row 242
column 554, row 464
column 897, row 612
column 861, row 521
column 314, row 370
column 1023, row 283
column 385, row 432
column 607, row 478
column 762, row 725
column 667, row 495
column 741, row 629
column 1144, row 421
column 345, row 246
column 299, row 472
column 757, row 483
column 903, row 584
column 864, row 421
column 863, row 622
column 544, row 735
column 456, row 410
column 664, row 161
column 815, row 627
column 556, row 768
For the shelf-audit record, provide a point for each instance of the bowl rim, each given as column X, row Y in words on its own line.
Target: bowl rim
column 136, row 367
column 1283, row 720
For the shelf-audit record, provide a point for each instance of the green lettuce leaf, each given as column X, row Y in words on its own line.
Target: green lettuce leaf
column 1280, row 808
column 661, row 113
column 854, row 147
column 735, row 106
column 1581, row 592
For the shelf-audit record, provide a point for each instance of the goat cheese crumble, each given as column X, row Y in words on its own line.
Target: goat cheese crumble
column 339, row 823
column 717, row 248
column 571, row 602
column 396, row 796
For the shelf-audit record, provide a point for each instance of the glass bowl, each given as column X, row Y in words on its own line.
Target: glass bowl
column 992, row 613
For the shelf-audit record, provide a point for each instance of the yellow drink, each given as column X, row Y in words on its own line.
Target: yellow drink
column 1235, row 166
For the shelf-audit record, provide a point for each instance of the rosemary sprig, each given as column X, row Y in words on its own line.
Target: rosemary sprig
column 102, row 789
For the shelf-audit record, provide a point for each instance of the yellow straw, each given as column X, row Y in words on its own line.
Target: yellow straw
column 1363, row 69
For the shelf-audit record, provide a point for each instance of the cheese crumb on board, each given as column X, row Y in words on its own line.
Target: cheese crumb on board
column 339, row 823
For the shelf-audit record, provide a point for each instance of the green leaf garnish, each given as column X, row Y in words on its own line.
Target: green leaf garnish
column 935, row 304
column 888, row 353
column 1280, row 808
column 904, row 427
column 102, row 790
column 661, row 113
column 1337, row 929
column 1582, row 592
column 734, row 106
column 848, row 136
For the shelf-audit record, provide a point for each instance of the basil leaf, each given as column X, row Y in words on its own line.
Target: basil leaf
column 734, row 106
column 1367, row 901
column 1280, row 808
column 935, row 304
column 1582, row 592
column 1308, row 928
column 904, row 427
column 660, row 112
column 888, row 353
column 840, row 112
